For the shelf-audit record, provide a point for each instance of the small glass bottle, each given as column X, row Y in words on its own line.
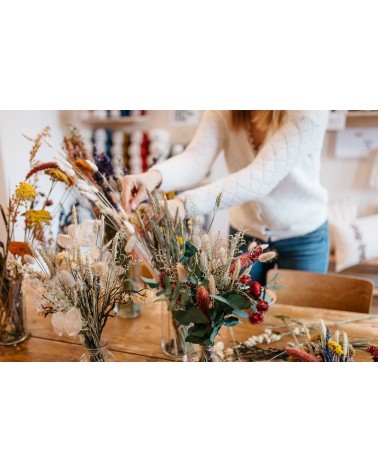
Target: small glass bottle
column 99, row 354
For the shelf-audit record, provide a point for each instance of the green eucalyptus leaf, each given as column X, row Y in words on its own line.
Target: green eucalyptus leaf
column 238, row 302
column 214, row 334
column 221, row 299
column 150, row 282
column 182, row 317
column 167, row 284
column 197, row 316
column 185, row 297
column 160, row 292
column 231, row 321
column 240, row 314
column 190, row 250
column 176, row 293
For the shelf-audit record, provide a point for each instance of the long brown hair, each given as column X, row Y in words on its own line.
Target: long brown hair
column 263, row 119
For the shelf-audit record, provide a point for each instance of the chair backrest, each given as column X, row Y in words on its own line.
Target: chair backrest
column 335, row 292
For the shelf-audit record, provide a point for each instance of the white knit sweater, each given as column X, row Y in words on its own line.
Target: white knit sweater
column 273, row 194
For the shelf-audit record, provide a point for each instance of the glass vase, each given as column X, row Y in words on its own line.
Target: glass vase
column 13, row 328
column 204, row 354
column 130, row 309
column 98, row 354
column 173, row 336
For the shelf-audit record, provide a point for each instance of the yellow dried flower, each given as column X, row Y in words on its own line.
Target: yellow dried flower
column 315, row 337
column 25, row 192
column 180, row 240
column 38, row 217
column 58, row 176
column 336, row 348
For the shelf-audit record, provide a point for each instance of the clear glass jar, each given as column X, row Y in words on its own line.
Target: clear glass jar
column 130, row 309
column 173, row 336
column 13, row 328
column 204, row 354
column 100, row 354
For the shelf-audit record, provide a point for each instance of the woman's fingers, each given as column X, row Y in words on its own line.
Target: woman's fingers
column 128, row 186
column 139, row 197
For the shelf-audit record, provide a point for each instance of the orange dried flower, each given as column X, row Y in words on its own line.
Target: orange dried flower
column 19, row 249
column 85, row 168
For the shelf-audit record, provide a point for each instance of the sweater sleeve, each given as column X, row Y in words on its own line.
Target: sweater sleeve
column 192, row 166
column 302, row 135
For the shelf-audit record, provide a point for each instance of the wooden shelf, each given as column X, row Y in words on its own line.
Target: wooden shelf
column 114, row 122
column 362, row 114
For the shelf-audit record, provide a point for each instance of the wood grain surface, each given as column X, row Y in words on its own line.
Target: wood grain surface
column 139, row 339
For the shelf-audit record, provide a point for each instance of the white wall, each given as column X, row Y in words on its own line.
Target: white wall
column 14, row 148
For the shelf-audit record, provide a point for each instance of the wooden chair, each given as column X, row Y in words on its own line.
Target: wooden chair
column 334, row 292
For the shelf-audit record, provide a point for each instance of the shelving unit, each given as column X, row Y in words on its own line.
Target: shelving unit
column 114, row 122
column 363, row 114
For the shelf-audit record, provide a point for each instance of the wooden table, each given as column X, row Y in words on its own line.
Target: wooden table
column 139, row 339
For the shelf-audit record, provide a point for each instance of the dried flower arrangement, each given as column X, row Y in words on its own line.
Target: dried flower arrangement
column 322, row 347
column 28, row 206
column 206, row 284
column 80, row 285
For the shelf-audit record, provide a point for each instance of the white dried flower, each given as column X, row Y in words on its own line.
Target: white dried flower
column 72, row 322
column 130, row 244
column 57, row 321
column 212, row 287
column 252, row 246
column 100, row 268
column 264, row 246
column 182, row 273
column 69, row 322
column 267, row 256
column 29, row 259
column 67, row 278
column 92, row 165
column 129, row 227
column 65, row 241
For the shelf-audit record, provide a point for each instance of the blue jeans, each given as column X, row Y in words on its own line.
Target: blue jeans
column 309, row 253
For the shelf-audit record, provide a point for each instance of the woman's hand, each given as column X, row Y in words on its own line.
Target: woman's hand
column 134, row 188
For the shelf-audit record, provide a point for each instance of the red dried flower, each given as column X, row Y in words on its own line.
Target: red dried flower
column 246, row 259
column 256, row 317
column 372, row 350
column 203, row 299
column 254, row 255
column 255, row 289
column 245, row 279
column 42, row 167
column 262, row 306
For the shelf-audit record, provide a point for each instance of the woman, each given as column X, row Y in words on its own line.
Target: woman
column 272, row 190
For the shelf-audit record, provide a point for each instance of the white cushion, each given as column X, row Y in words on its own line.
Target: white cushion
column 340, row 212
column 355, row 241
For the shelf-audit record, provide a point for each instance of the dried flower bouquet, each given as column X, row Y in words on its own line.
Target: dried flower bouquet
column 80, row 285
column 207, row 285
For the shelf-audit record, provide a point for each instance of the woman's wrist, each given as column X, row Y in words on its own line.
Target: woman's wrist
column 156, row 177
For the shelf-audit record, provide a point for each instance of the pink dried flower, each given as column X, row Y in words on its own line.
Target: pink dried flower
column 299, row 354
